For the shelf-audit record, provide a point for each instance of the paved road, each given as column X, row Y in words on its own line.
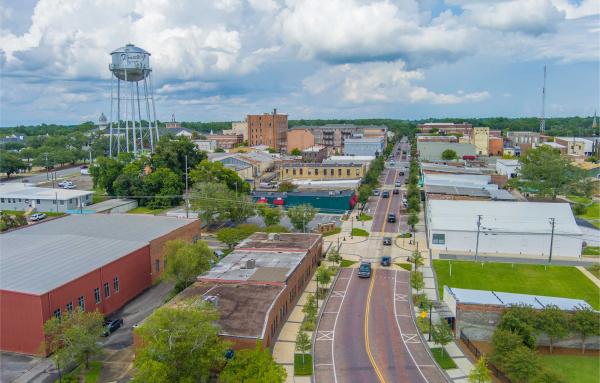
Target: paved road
column 41, row 177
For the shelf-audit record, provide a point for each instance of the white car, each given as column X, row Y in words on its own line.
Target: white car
column 70, row 185
column 63, row 183
column 37, row 217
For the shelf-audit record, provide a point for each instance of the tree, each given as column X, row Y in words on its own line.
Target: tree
column 547, row 171
column 554, row 322
column 10, row 163
column 216, row 172
column 286, row 186
column 107, row 170
column 252, row 366
column 442, row 334
column 417, row 259
column 585, row 322
column 520, row 319
column 296, row 152
column 276, row 229
column 504, row 341
column 301, row 215
column 416, row 280
column 413, row 219
column 302, row 343
column 414, row 204
column 310, row 307
column 179, row 344
column 216, row 203
column 480, row 372
column 271, row 215
column 230, row 236
column 364, row 192
column 171, row 153
column 449, row 154
column 334, row 256
column 163, row 188
column 521, row 364
column 74, row 336
column 219, row 150
column 546, row 376
column 323, row 277
column 185, row 261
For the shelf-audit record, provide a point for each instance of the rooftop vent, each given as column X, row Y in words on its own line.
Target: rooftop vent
column 212, row 299
column 249, row 264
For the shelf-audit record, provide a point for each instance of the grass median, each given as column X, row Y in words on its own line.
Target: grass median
column 557, row 281
column 574, row 368
column 303, row 368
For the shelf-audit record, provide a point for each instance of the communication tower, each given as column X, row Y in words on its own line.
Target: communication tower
column 133, row 126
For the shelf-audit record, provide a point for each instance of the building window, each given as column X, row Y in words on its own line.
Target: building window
column 331, row 171
column 347, row 172
column 62, row 202
column 106, row 290
column 53, row 202
column 116, row 284
column 38, row 201
column 70, row 307
column 294, row 171
column 57, row 313
column 439, row 239
column 316, row 172
column 287, row 171
column 97, row 295
column 301, row 171
column 357, row 172
column 81, row 302
column 2, row 200
column 339, row 172
column 157, row 266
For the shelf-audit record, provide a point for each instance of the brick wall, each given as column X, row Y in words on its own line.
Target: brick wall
column 187, row 233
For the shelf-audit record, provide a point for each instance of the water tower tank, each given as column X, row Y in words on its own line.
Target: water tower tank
column 130, row 63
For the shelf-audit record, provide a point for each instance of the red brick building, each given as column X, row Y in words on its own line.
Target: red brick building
column 91, row 261
column 268, row 129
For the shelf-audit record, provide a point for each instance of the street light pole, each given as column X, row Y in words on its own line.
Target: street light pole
column 478, row 230
column 552, row 222
column 187, row 200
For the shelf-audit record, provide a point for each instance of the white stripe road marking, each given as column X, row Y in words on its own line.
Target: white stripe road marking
column 334, row 326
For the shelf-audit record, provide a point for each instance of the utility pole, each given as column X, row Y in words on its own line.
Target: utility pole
column 46, row 154
column 543, row 119
column 56, row 200
column 552, row 222
column 478, row 230
column 187, row 199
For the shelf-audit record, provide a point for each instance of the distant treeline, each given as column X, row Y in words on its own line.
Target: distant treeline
column 564, row 126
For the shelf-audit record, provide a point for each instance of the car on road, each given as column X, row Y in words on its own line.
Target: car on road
column 376, row 193
column 63, row 183
column 111, row 326
column 392, row 163
column 386, row 260
column 387, row 241
column 69, row 186
column 385, row 194
column 391, row 218
column 37, row 217
column 364, row 270
column 396, row 191
column 398, row 184
column 401, row 174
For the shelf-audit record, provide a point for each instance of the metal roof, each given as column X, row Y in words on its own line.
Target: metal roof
column 26, row 191
column 502, row 217
column 42, row 257
column 486, row 297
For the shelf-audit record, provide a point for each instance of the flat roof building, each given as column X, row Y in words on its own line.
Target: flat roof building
column 22, row 197
column 89, row 261
column 515, row 228
column 268, row 129
column 257, row 286
column 321, row 171
column 364, row 146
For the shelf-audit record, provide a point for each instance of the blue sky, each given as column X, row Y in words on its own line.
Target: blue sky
column 216, row 60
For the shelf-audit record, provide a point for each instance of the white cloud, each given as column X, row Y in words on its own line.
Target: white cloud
column 386, row 82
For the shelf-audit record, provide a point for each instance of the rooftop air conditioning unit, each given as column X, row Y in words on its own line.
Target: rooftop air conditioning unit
column 250, row 263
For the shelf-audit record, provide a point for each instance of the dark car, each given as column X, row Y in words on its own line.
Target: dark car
column 386, row 260
column 111, row 326
column 385, row 194
column 401, row 173
column 387, row 241
column 396, row 191
column 364, row 270
column 391, row 218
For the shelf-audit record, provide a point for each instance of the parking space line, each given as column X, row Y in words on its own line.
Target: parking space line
column 335, row 325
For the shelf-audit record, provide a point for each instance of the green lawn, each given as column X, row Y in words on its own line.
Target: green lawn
column 578, row 199
column 19, row 212
column 594, row 269
column 303, row 369
column 364, row 217
column 336, row 231
column 593, row 251
column 443, row 359
column 92, row 375
column 359, row 232
column 560, row 281
column 347, row 263
column 574, row 368
column 405, row 266
column 147, row 210
column 592, row 212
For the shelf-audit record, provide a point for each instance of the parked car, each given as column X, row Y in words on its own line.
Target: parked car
column 386, row 260
column 398, row 184
column 401, row 174
column 70, row 185
column 84, row 170
column 111, row 326
column 387, row 241
column 37, row 217
column 364, row 270
column 376, row 192
column 385, row 194
column 396, row 191
column 63, row 183
column 391, row 218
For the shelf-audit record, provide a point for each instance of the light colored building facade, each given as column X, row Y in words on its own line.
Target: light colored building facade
column 481, row 140
column 509, row 168
column 268, row 129
column 300, row 139
column 446, row 128
column 517, row 138
column 226, row 141
column 205, row 145
column 364, row 146
column 576, row 146
column 321, row 171
column 335, row 135
column 20, row 197
column 432, row 151
column 238, row 127
column 316, row 153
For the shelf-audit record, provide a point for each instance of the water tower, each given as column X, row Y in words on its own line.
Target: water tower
column 133, row 127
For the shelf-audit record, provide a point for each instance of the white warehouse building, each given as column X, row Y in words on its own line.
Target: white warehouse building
column 23, row 197
column 516, row 228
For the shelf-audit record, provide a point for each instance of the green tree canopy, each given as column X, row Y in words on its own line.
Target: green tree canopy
column 10, row 163
column 480, row 372
column 185, row 261
column 217, row 203
column 364, row 192
column 301, row 215
column 554, row 322
column 170, row 153
column 449, row 154
column 442, row 334
column 585, row 322
column 296, row 152
column 252, row 366
column 520, row 319
column 271, row 215
column 179, row 344
column 216, row 172
column 302, row 343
